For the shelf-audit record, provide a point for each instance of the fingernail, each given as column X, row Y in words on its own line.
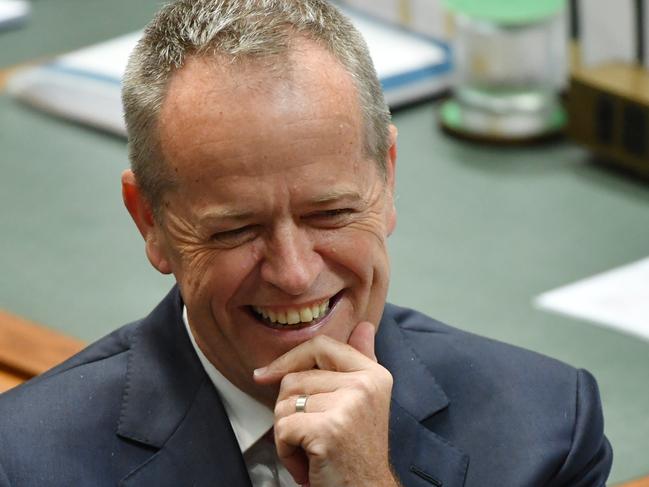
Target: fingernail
column 260, row 371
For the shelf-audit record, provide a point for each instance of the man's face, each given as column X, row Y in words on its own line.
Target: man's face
column 278, row 215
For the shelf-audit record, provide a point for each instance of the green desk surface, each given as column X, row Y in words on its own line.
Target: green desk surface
column 481, row 231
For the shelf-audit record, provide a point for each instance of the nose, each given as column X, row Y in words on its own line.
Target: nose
column 290, row 262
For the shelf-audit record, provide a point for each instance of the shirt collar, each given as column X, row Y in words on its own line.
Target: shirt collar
column 249, row 418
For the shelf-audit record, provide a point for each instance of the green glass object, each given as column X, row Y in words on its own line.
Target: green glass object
column 509, row 60
column 507, row 12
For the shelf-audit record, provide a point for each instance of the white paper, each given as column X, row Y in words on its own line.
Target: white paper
column 398, row 52
column 618, row 298
column 392, row 54
column 427, row 17
column 12, row 11
column 607, row 31
column 85, row 85
column 107, row 59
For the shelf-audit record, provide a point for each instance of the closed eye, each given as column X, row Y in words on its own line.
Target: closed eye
column 235, row 236
column 336, row 212
column 331, row 218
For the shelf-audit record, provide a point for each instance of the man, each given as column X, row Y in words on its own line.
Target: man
column 263, row 166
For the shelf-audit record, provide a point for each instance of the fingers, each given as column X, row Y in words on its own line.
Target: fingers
column 292, row 435
column 296, row 429
column 297, row 465
column 324, row 353
column 341, row 381
column 315, row 403
column 309, row 382
column 293, row 458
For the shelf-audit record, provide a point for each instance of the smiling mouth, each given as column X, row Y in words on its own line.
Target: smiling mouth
column 295, row 317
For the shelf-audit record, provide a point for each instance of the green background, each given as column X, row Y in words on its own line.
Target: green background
column 481, row 230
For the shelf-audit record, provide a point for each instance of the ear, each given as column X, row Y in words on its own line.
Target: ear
column 391, row 166
column 140, row 210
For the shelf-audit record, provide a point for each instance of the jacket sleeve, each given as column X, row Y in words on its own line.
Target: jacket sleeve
column 4, row 481
column 589, row 460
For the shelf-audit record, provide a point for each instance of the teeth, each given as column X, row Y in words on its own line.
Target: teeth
column 293, row 316
column 306, row 315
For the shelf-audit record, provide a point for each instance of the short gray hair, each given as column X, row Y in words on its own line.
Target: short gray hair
column 237, row 29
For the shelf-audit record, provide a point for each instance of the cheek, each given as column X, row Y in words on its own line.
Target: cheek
column 196, row 269
column 225, row 274
column 357, row 251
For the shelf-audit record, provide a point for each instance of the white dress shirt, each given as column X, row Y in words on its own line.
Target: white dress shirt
column 250, row 422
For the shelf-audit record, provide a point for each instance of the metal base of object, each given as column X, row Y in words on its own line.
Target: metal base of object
column 473, row 124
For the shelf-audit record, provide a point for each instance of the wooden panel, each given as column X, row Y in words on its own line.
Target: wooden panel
column 624, row 80
column 9, row 380
column 644, row 482
column 28, row 349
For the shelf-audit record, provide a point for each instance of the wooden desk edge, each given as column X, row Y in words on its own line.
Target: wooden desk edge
column 28, row 349
column 643, row 482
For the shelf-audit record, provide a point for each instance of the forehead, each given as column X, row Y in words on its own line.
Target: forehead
column 234, row 114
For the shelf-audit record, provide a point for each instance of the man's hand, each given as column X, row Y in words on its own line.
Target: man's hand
column 342, row 437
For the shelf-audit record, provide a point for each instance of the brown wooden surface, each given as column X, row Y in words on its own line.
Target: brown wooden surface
column 644, row 482
column 583, row 103
column 8, row 380
column 624, row 80
column 28, row 349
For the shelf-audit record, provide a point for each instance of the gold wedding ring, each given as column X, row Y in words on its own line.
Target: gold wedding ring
column 300, row 403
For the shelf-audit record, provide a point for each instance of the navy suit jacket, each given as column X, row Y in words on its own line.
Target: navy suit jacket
column 137, row 409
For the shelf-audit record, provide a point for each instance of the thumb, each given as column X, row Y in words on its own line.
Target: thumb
column 362, row 339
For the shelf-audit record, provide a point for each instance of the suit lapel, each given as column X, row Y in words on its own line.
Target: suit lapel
column 419, row 456
column 200, row 452
column 170, row 406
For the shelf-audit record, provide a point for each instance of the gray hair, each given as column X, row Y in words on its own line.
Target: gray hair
column 238, row 29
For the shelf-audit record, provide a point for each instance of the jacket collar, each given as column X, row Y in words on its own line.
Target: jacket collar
column 419, row 456
column 415, row 388
column 170, row 406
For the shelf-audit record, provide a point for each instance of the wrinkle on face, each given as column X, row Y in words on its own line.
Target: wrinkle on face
column 278, row 159
column 187, row 247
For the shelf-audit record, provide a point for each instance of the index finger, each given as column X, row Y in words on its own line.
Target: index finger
column 320, row 352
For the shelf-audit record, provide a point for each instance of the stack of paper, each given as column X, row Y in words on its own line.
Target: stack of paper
column 428, row 17
column 12, row 13
column 85, row 85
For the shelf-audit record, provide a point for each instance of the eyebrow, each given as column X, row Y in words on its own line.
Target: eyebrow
column 219, row 214
column 232, row 214
column 337, row 195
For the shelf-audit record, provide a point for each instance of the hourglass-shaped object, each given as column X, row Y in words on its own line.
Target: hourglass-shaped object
column 510, row 61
